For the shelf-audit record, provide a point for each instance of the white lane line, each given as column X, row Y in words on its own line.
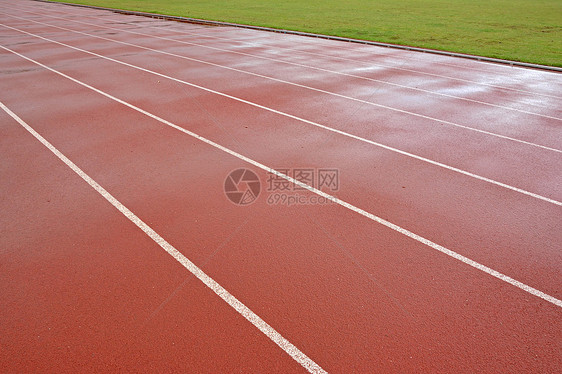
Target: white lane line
column 420, row 158
column 297, row 84
column 312, row 67
column 403, row 231
column 253, row 318
column 303, row 66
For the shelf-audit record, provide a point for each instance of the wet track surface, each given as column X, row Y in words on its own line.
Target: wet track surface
column 442, row 254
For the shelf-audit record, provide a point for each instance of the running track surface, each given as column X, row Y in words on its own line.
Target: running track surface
column 443, row 253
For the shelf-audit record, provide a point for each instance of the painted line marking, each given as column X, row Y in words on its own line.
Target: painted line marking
column 392, row 226
column 237, row 305
column 420, row 158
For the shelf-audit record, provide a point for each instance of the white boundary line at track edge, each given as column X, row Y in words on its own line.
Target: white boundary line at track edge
column 242, row 309
column 352, row 136
column 403, row 231
column 312, row 88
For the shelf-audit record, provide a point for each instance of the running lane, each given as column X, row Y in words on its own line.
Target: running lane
column 350, row 293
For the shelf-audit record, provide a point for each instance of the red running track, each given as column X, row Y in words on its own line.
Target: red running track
column 441, row 252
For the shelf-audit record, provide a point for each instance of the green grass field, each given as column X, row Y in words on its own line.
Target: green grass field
column 520, row 30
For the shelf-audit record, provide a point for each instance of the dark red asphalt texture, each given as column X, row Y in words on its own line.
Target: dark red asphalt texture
column 442, row 254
